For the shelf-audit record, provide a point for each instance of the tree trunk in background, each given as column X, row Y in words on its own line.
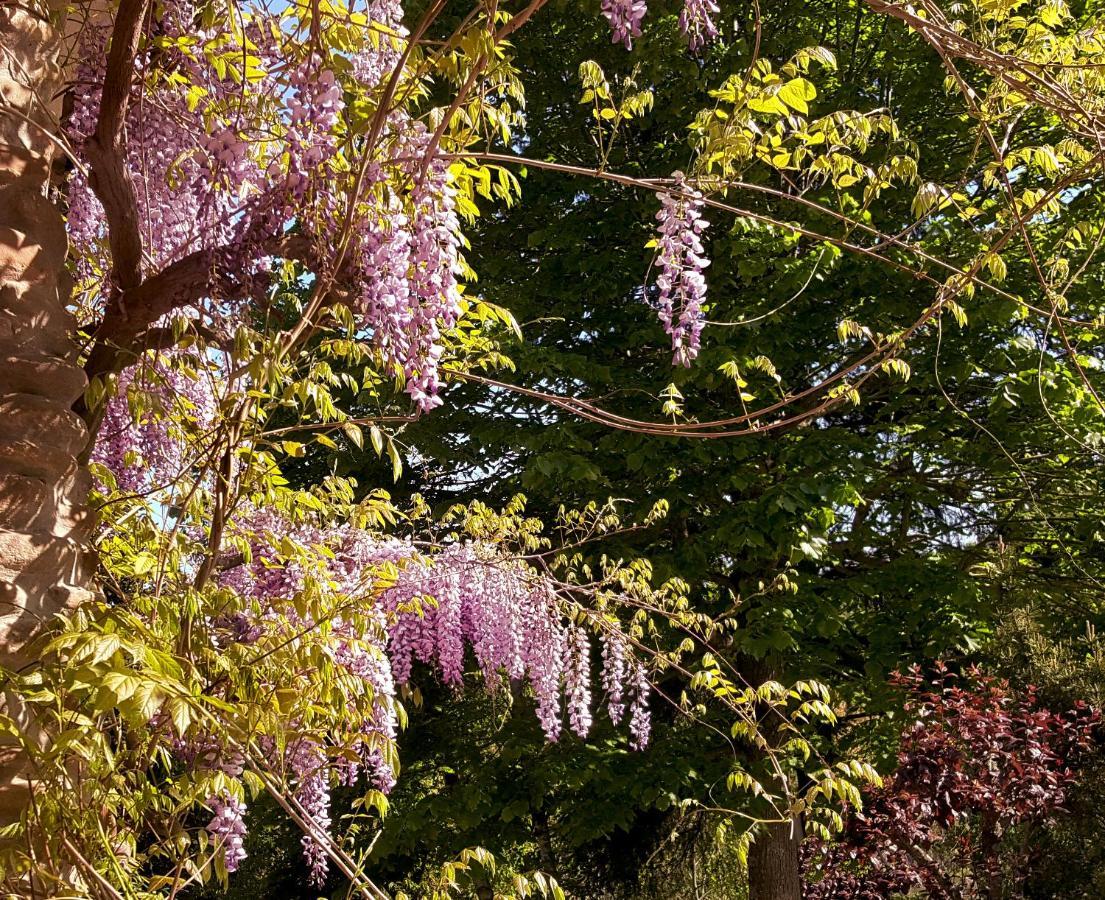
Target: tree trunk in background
column 773, row 863
column 773, row 872
column 44, row 525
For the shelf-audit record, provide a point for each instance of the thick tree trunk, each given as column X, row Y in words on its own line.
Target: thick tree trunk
column 773, row 872
column 44, row 557
column 773, row 862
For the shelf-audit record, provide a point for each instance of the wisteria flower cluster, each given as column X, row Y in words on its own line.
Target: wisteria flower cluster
column 194, row 176
column 682, row 260
column 625, row 17
column 640, row 720
column 615, row 667
column 375, row 65
column 143, row 439
column 308, row 765
column 228, row 825
column 225, row 172
column 211, row 184
column 410, row 263
column 696, row 21
column 465, row 597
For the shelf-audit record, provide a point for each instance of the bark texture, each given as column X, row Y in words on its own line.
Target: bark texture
column 44, row 558
column 774, row 871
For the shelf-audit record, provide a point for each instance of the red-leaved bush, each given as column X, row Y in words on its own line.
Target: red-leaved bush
column 980, row 769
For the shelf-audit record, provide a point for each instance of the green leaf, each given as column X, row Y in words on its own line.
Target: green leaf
column 396, row 460
column 143, row 563
column 353, row 432
column 797, row 93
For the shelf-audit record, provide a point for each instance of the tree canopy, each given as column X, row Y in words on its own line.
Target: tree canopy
column 684, row 373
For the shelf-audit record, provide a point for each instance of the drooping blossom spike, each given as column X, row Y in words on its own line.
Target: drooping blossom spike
column 697, row 22
column 409, row 265
column 374, row 66
column 625, row 18
column 614, row 668
column 314, row 106
column 370, row 664
column 506, row 613
column 229, row 826
column 640, row 723
column 682, row 261
column 148, row 449
column 578, row 680
column 307, row 764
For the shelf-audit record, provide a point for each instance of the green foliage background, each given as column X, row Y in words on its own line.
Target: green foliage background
column 956, row 515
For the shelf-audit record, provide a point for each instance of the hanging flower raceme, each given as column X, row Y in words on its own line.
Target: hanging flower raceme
column 625, row 18
column 682, row 261
column 308, row 766
column 408, row 268
column 640, row 721
column 465, row 597
column 229, row 827
column 614, row 674
column 314, row 107
column 373, row 66
column 578, row 667
column 409, row 263
column 696, row 21
column 143, row 438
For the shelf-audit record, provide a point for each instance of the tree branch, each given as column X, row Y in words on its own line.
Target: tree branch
column 106, row 149
column 128, row 323
column 131, row 312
